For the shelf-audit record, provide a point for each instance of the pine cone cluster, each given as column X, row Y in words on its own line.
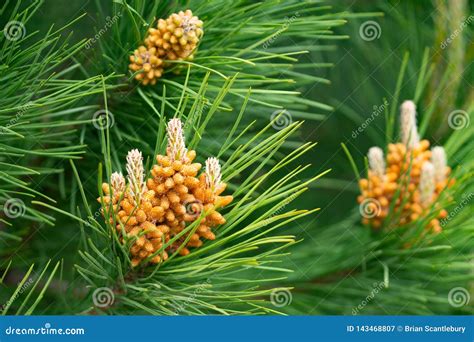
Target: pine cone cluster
column 412, row 177
column 174, row 38
column 151, row 212
column 177, row 36
column 147, row 63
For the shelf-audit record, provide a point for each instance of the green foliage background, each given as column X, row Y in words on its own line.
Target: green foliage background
column 307, row 61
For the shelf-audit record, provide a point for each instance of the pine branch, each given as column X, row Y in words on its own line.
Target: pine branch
column 208, row 280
